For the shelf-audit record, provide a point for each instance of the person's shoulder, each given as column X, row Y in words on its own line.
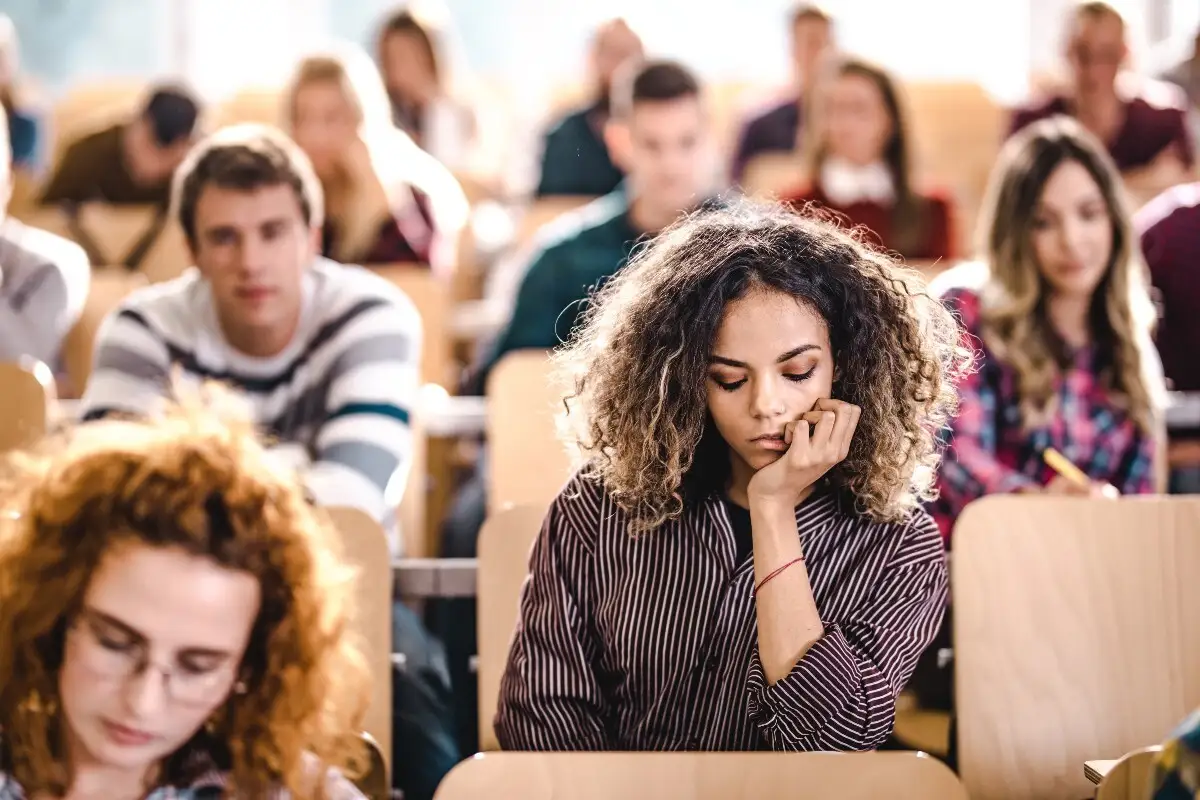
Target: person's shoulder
column 1038, row 108
column 167, row 309
column 1179, row 205
column 774, row 110
column 960, row 289
column 1159, row 99
column 582, row 226
column 347, row 289
column 41, row 247
column 569, row 123
column 937, row 199
column 96, row 142
column 584, row 508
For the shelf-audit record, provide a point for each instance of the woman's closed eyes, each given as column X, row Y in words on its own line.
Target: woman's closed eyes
column 734, row 385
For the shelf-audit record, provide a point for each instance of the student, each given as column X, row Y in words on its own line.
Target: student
column 1061, row 315
column 130, row 163
column 148, row 647
column 659, row 134
column 744, row 563
column 325, row 355
column 575, row 160
column 44, row 282
column 860, row 165
column 416, row 80
column 1147, row 136
column 1169, row 230
column 386, row 201
column 777, row 130
column 1177, row 767
column 24, row 128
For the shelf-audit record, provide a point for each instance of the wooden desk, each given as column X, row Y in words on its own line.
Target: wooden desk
column 1095, row 771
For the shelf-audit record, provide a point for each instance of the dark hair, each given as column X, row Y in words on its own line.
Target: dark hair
column 639, row 362
column 910, row 214
column 652, row 82
column 245, row 157
column 810, row 12
column 172, row 112
column 1015, row 325
column 403, row 21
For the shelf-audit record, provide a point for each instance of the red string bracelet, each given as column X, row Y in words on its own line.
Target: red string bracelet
column 764, row 581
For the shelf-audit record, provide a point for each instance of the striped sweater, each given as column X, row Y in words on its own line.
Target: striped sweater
column 651, row 642
column 337, row 399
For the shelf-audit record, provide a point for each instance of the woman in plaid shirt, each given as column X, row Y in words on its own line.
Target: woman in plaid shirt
column 1060, row 316
column 175, row 622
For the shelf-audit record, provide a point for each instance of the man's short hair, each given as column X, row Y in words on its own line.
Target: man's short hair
column 651, row 82
column 810, row 12
column 172, row 112
column 245, row 158
column 1098, row 9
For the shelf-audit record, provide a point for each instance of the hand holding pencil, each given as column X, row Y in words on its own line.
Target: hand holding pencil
column 1071, row 480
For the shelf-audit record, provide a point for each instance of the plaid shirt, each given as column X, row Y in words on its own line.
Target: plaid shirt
column 991, row 452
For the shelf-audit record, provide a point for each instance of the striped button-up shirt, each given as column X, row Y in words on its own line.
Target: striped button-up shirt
column 650, row 642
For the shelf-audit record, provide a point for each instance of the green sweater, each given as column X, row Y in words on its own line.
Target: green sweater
column 581, row 251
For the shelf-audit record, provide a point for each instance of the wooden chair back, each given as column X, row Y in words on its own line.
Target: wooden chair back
column 1131, row 778
column 774, row 175
column 262, row 105
column 25, row 403
column 108, row 288
column 168, row 257
column 431, row 296
column 116, row 229
column 702, row 776
column 366, row 547
column 1074, row 636
column 526, row 462
column 503, row 558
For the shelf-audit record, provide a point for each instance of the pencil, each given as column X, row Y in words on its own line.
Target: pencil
column 1059, row 463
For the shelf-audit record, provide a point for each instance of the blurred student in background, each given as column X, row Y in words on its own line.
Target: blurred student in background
column 778, row 129
column 860, row 164
column 175, row 621
column 575, row 160
column 127, row 163
column 1145, row 132
column 44, row 282
column 387, row 201
column 24, row 128
column 661, row 135
column 414, row 72
column 1061, row 312
column 1169, row 229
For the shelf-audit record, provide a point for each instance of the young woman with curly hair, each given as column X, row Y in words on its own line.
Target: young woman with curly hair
column 174, row 619
column 1060, row 312
column 744, row 564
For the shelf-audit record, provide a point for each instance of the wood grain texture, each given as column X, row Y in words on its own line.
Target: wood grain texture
column 702, row 776
column 1131, row 777
column 1075, row 636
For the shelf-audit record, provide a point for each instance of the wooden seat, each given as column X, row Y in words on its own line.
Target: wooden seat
column 702, row 776
column 116, row 230
column 24, row 403
column 526, row 461
column 366, row 547
column 431, row 296
column 1131, row 778
column 108, row 288
column 503, row 552
column 1074, row 636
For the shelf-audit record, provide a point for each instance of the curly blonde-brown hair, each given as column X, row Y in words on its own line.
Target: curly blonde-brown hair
column 638, row 364
column 159, row 483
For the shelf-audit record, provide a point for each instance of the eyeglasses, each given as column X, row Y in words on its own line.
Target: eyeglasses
column 118, row 656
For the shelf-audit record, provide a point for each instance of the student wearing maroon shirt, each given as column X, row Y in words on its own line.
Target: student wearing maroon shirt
column 859, row 166
column 1146, row 135
column 1169, row 227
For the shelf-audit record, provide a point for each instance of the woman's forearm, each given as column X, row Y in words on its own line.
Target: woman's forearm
column 788, row 621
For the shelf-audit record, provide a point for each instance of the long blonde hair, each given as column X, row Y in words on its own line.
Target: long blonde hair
column 360, row 204
column 1015, row 325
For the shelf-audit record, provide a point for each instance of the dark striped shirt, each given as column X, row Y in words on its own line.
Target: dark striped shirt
column 650, row 643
